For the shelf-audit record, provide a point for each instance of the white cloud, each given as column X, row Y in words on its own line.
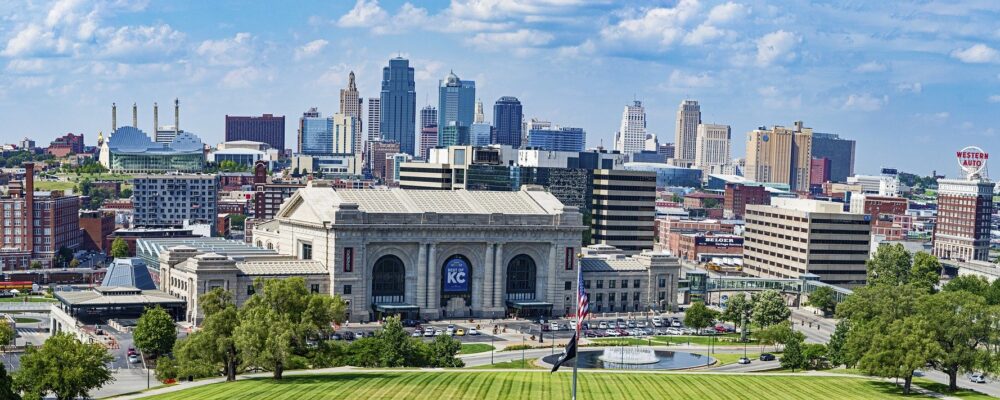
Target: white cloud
column 871, row 66
column 683, row 80
column 237, row 51
column 366, row 13
column 25, row 65
column 408, row 17
column 243, row 77
column 910, row 87
column 517, row 39
column 994, row 98
column 772, row 97
column 725, row 13
column 663, row 25
column 141, row 42
column 865, row 102
column 34, row 40
column 704, row 33
column 775, row 46
column 977, row 54
column 310, row 49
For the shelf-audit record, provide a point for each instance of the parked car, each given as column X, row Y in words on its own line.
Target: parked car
column 572, row 325
column 429, row 331
column 133, row 359
column 677, row 323
column 657, row 321
column 977, row 377
column 348, row 335
column 602, row 325
column 460, row 332
column 767, row 357
column 417, row 333
column 611, row 332
column 473, row 332
column 744, row 360
column 336, row 336
column 450, row 331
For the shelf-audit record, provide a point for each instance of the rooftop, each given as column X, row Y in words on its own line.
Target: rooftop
column 405, row 201
column 115, row 296
column 282, row 267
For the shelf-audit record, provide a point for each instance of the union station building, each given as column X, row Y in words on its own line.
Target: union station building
column 435, row 254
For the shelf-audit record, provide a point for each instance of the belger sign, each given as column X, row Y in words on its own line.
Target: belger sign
column 972, row 159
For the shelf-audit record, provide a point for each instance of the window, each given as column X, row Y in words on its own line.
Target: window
column 586, row 284
column 663, row 295
column 347, row 289
column 663, row 282
column 611, row 297
column 250, row 290
column 635, row 284
column 600, row 297
column 600, row 284
column 314, row 288
column 624, row 283
column 611, row 284
column 307, row 251
column 568, row 285
column 624, row 297
column 348, row 259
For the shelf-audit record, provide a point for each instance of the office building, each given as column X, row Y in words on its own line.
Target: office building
column 624, row 207
column 96, row 226
column 558, row 139
column 454, row 134
column 618, row 283
column 65, row 145
column 962, row 231
column 712, row 146
column 268, row 195
column 399, row 105
column 479, row 117
column 839, row 151
column 738, row 196
column 667, row 150
column 508, row 116
column 26, row 144
column 668, row 175
column 456, row 103
column 792, row 237
column 376, row 157
column 244, row 152
column 428, row 140
column 36, row 224
column 346, row 134
column 480, row 134
column 315, row 133
column 780, row 155
column 350, row 105
column 686, row 132
column 461, row 167
column 392, row 164
column 428, row 117
column 129, row 150
column 374, row 132
column 264, row 129
column 393, row 251
column 631, row 135
column 819, row 171
column 173, row 201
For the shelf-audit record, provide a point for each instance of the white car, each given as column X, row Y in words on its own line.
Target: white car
column 640, row 324
column 429, row 332
column 611, row 332
column 473, row 332
column 450, row 331
column 657, row 320
column 977, row 377
column 417, row 333
column 572, row 325
column 677, row 323
column 133, row 359
column 439, row 332
column 602, row 325
column 554, row 326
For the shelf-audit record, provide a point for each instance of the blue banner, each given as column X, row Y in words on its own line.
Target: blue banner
column 456, row 276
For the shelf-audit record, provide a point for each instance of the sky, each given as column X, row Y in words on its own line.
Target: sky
column 911, row 82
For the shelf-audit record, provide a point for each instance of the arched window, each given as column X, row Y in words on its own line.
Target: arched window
column 260, row 244
column 521, row 275
column 388, row 280
column 270, row 246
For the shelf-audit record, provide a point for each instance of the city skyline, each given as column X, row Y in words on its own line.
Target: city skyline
column 925, row 76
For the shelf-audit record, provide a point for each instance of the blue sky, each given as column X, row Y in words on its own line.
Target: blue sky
column 911, row 82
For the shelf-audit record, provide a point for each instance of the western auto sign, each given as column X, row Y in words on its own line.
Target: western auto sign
column 456, row 276
column 972, row 160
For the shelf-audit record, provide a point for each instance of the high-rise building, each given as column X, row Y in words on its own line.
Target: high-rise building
column 399, row 105
column 480, row 115
column 780, row 155
column 346, row 136
column 631, row 136
column 350, row 104
column 456, row 102
column 315, row 133
column 35, row 225
column 965, row 209
column 819, row 171
column 428, row 117
column 667, row 150
column 480, row 134
column 374, row 120
column 712, row 146
column 172, row 201
column 686, row 133
column 376, row 156
column 264, row 129
column 839, row 151
column 792, row 237
column 558, row 139
column 624, row 209
column 428, row 140
column 508, row 121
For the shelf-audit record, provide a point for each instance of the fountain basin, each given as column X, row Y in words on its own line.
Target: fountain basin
column 665, row 360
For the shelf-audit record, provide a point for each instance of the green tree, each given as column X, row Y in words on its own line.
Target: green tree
column 7, row 385
column 835, row 348
column 218, row 330
column 166, row 369
column 7, row 334
column 191, row 358
column 792, row 357
column 870, row 311
column 125, row 193
column 36, row 265
column 781, row 332
column 925, row 272
column 889, row 266
column 119, row 249
column 963, row 326
column 74, row 263
column 974, row 284
column 769, row 308
column 397, row 348
column 899, row 351
column 63, row 366
column 443, row 351
column 699, row 316
column 277, row 320
column 155, row 332
column 823, row 299
column 739, row 311
column 814, row 356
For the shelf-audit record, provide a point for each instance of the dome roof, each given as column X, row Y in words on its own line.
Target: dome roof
column 130, row 139
column 452, row 79
column 186, row 141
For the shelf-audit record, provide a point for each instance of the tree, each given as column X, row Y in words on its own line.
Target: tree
column 397, row 348
column 63, row 366
column 166, row 369
column 769, row 308
column 442, row 353
column 125, row 193
column 900, row 351
column 974, row 284
column 277, row 320
column 218, row 329
column 739, row 311
column 792, row 357
column 870, row 312
column 7, row 334
column 699, row 316
column 962, row 325
column 925, row 272
column 836, row 352
column 7, row 385
column 889, row 266
column 814, row 356
column 119, row 249
column 823, row 299
column 155, row 332
column 781, row 332
column 36, row 265
column 74, row 263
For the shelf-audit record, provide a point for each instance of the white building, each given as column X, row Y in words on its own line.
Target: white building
column 631, row 135
column 346, row 134
column 712, row 146
column 688, row 119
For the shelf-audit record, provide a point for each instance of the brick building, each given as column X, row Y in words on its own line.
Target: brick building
column 65, row 145
column 35, row 225
column 738, row 197
column 699, row 246
column 96, row 225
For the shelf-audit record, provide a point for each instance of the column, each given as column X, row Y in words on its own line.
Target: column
column 499, row 285
column 433, row 281
column 489, row 278
column 552, row 282
column 421, row 300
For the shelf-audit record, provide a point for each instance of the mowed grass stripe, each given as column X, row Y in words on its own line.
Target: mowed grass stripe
column 538, row 385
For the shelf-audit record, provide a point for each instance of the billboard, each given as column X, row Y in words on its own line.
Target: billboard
column 719, row 241
column 456, row 276
column 972, row 160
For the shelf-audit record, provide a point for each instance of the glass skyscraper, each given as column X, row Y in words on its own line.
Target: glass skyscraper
column 428, row 117
column 456, row 105
column 480, row 134
column 399, row 104
column 315, row 133
column 839, row 151
column 557, row 139
column 507, row 121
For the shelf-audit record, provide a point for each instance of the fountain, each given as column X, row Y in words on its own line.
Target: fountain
column 635, row 357
column 621, row 357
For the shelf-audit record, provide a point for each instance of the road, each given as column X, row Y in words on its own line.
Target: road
column 816, row 328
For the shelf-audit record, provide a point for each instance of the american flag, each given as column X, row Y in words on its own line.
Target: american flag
column 582, row 303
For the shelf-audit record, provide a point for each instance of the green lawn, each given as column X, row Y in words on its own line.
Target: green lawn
column 54, row 185
column 729, row 358
column 20, row 299
column 516, row 364
column 473, row 348
column 943, row 389
column 541, row 385
column 25, row 320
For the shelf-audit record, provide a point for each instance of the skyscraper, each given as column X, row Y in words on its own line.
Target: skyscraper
column 839, row 151
column 456, row 103
column 688, row 119
column 480, row 116
column 428, row 117
column 315, row 133
column 631, row 136
column 265, row 129
column 346, row 139
column 507, row 121
column 374, row 120
column 399, row 104
column 712, row 146
column 780, row 155
column 481, row 132
column 557, row 139
column 350, row 104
